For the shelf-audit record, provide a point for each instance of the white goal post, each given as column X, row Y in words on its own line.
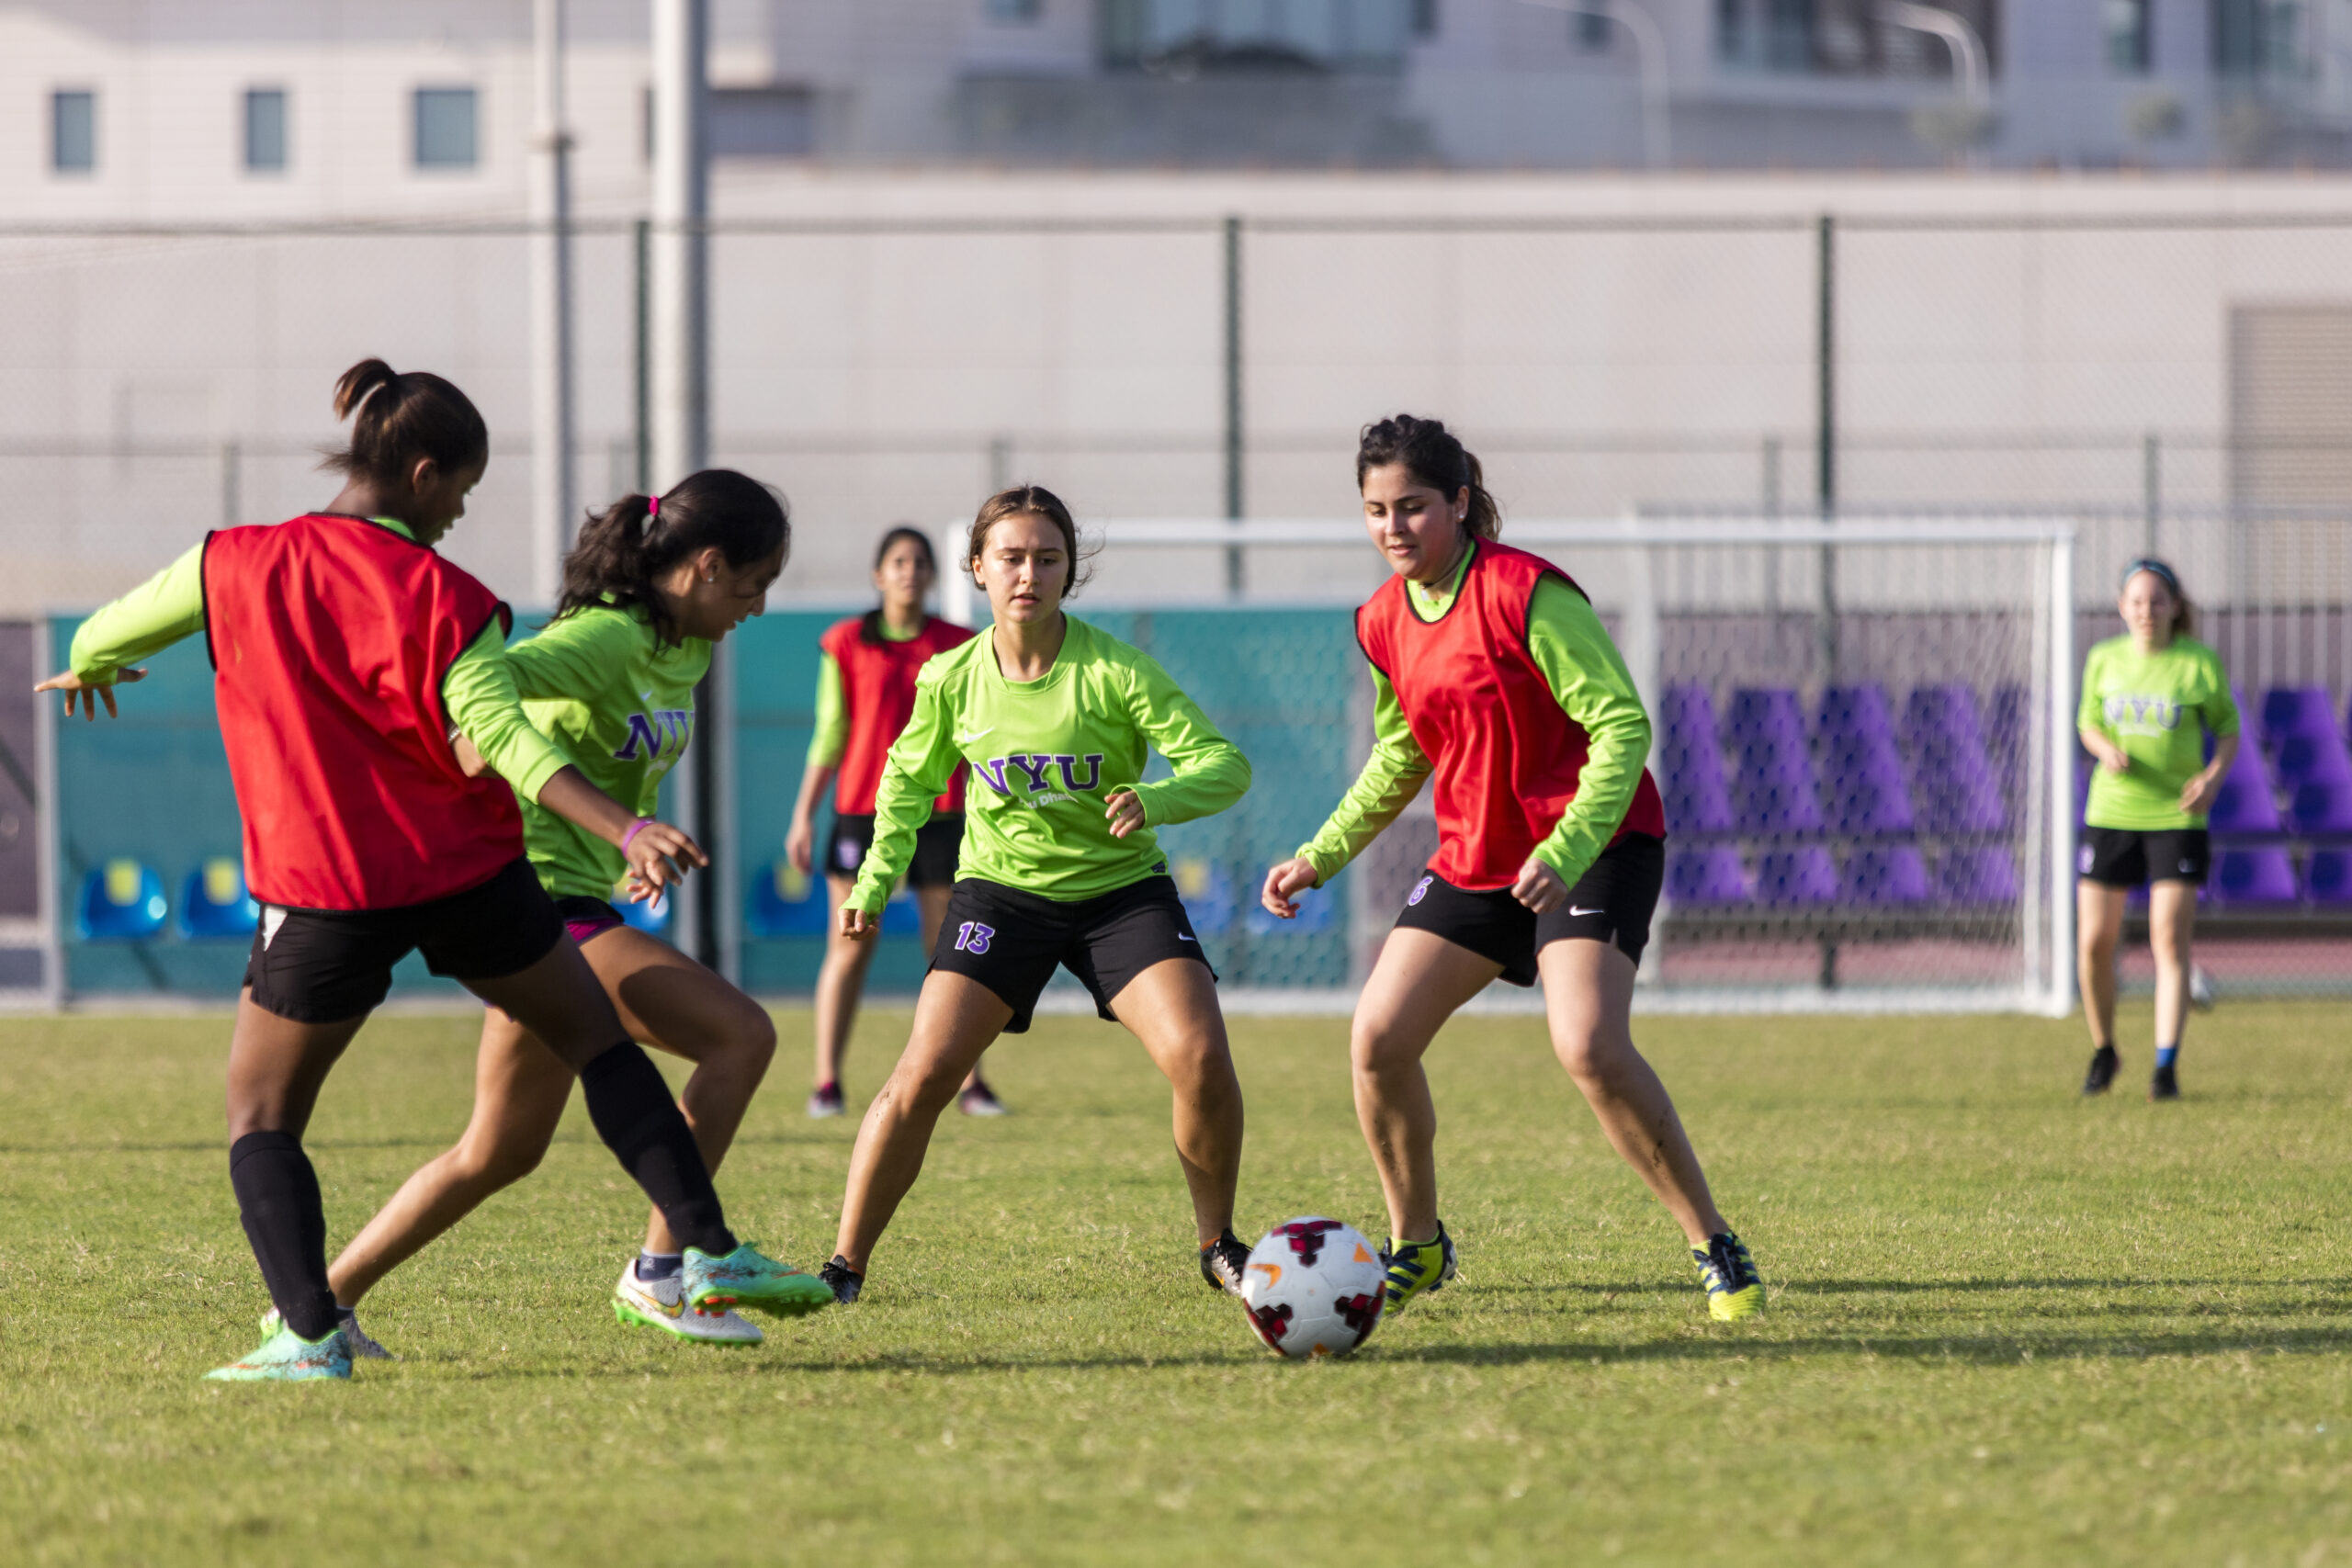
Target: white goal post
column 1864, row 727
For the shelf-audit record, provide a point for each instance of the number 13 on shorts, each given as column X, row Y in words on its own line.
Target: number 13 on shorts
column 974, row 936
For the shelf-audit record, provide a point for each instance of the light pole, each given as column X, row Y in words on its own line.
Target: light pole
column 551, row 361
column 1649, row 62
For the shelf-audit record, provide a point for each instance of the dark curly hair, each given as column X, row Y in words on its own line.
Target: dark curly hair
column 626, row 548
column 1435, row 455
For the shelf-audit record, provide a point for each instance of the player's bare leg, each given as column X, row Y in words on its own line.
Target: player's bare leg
column 1589, row 1002
column 2171, row 924
column 1419, row 981
column 956, row 1018
column 1171, row 1008
column 841, row 981
column 2099, row 931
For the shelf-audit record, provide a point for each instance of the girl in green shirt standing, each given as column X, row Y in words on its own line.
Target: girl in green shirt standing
column 1060, row 868
column 2148, row 700
column 652, row 585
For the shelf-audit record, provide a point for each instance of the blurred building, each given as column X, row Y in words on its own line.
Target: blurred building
column 161, row 108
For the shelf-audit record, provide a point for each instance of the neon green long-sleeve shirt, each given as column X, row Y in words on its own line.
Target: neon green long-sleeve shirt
column 1046, row 757
column 1587, row 678
column 479, row 690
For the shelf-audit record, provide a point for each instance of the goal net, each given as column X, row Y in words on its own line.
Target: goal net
column 1860, row 727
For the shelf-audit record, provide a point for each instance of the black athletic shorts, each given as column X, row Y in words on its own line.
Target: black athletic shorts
column 1612, row 902
column 2126, row 857
column 937, row 844
column 324, row 965
column 1010, row 941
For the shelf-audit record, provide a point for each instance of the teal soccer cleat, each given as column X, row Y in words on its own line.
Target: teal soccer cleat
column 743, row 1278
column 287, row 1357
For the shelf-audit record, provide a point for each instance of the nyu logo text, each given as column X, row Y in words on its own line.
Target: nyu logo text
column 2142, row 715
column 656, row 733
column 1029, row 768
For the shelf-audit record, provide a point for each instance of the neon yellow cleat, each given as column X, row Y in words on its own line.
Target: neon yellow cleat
column 1735, row 1290
column 1417, row 1265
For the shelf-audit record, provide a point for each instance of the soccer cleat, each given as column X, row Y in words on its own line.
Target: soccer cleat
column 743, row 1278
column 2104, row 1062
column 662, row 1304
column 1417, row 1265
column 2164, row 1084
column 1735, row 1290
column 1223, row 1261
column 363, row 1348
column 287, row 1357
column 845, row 1281
column 979, row 1099
column 826, row 1101
column 2201, row 988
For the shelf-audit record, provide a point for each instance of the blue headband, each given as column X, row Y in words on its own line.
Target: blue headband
column 2156, row 569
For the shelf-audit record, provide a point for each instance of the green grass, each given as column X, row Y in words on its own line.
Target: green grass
column 2007, row 1326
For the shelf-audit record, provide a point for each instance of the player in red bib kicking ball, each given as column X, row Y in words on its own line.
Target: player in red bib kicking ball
column 346, row 654
column 1492, row 673
column 866, row 693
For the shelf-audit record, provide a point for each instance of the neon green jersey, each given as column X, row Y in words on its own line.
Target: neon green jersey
column 1046, row 755
column 620, row 709
column 2157, row 707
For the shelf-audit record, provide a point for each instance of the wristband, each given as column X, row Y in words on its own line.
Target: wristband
column 639, row 825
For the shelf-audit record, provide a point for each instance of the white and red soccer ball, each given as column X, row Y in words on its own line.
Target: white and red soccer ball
column 1314, row 1287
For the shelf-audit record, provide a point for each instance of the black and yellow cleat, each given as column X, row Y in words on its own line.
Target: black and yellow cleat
column 1735, row 1290
column 1417, row 1265
column 1223, row 1261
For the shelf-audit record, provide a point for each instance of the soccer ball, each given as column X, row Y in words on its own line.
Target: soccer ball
column 1313, row 1287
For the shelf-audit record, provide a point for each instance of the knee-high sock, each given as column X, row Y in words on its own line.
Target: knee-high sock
column 640, row 1124
column 277, row 1198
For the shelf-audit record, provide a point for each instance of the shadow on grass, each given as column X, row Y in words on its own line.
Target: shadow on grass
column 1805, row 1287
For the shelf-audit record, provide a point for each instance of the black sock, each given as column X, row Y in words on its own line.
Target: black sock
column 277, row 1198
column 641, row 1125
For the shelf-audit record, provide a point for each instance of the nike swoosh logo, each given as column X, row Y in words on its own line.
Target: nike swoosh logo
column 1182, row 937
column 966, row 739
column 1573, row 910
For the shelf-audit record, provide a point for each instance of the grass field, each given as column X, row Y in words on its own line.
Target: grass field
column 2007, row 1326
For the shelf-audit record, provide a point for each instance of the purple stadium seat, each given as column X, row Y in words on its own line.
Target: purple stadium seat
column 1796, row 876
column 2252, row 876
column 1711, row 874
column 2314, row 759
column 1893, row 876
column 1977, row 874
column 1690, row 761
column 1774, row 796
column 1862, row 772
column 2327, row 879
column 2322, row 805
column 2246, row 804
column 1955, row 787
column 2295, row 710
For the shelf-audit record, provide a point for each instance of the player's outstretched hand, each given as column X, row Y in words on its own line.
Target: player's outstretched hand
column 92, row 692
column 1284, row 882
column 801, row 845
column 659, row 854
column 1125, row 811
column 856, row 924
column 1539, row 887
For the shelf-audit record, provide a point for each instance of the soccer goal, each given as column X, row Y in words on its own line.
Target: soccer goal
column 1862, row 728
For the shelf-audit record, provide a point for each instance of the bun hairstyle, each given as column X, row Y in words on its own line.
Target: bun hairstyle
column 1435, row 457
column 1030, row 501
column 906, row 531
column 2184, row 617
column 398, row 420
column 626, row 547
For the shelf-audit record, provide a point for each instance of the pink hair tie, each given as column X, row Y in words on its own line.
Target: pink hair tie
column 639, row 825
column 653, row 507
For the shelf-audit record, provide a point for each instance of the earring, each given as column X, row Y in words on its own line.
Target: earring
column 710, row 577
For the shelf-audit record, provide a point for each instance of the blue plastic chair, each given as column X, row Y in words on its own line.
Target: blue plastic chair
column 1316, row 910
column 215, row 904
column 1690, row 761
column 2327, row 879
column 1980, row 875
column 1796, row 878
column 783, row 902
column 2246, row 804
column 2323, row 806
column 1774, row 798
column 121, row 901
column 1706, row 877
column 1955, row 787
column 2296, row 710
column 2252, row 876
column 1206, row 888
column 1891, row 877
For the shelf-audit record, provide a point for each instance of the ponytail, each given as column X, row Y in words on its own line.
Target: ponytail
column 628, row 548
column 1435, row 457
column 400, row 419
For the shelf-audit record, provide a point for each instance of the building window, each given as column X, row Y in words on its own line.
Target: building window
column 74, row 133
column 444, row 127
column 2125, row 23
column 1592, row 29
column 265, row 130
column 1014, row 10
column 2257, row 38
column 1425, row 18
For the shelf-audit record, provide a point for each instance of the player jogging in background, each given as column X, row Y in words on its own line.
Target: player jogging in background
column 1491, row 672
column 653, row 584
column 865, row 691
column 1060, row 868
column 2148, row 700
column 347, row 652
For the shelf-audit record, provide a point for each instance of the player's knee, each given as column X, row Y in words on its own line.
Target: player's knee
column 1590, row 1052
column 1377, row 1046
column 751, row 1036
column 491, row 1166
